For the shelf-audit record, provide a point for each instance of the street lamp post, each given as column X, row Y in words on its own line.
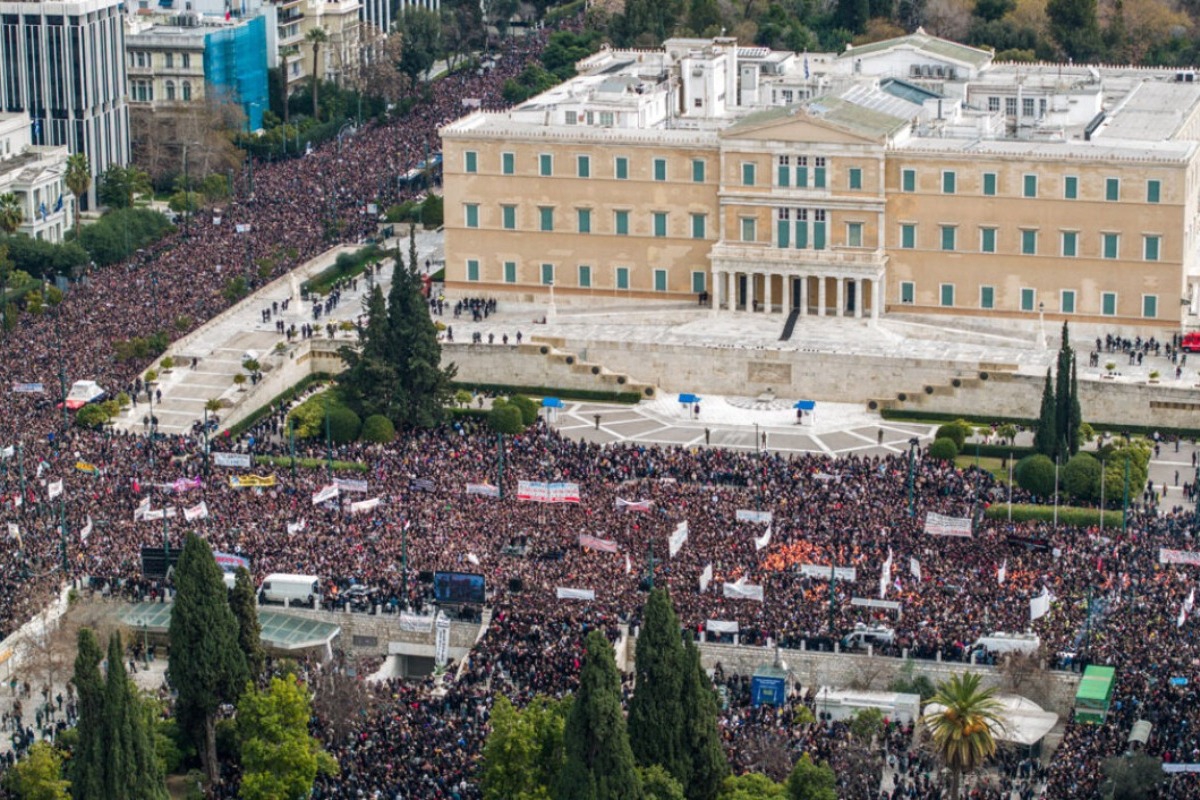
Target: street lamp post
column 1125, row 502
column 1042, row 325
column 328, row 436
column 145, row 645
column 912, row 451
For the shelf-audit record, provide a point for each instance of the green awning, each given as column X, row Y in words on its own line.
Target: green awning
column 280, row 630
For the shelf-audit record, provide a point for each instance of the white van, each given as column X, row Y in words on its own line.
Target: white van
column 864, row 635
column 999, row 643
column 230, row 579
column 279, row 587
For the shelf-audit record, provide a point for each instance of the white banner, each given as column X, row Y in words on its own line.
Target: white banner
column 363, row 505
column 1173, row 768
column 940, row 525
column 198, row 511
column 441, row 643
column 14, row 531
column 634, row 505
column 142, row 509
column 296, row 527
column 750, row 515
column 232, row 459
column 538, row 492
column 163, row 513
column 414, row 623
column 914, row 567
column 1002, row 573
column 628, row 564
column 678, row 538
column 885, row 576
column 764, row 540
column 348, row 485
column 7, row 452
column 839, row 573
column 484, row 489
column 743, row 591
column 868, row 602
column 86, row 531
column 705, row 579
column 595, row 543
column 54, row 488
column 721, row 626
column 1166, row 556
column 575, row 594
column 474, row 559
column 326, row 494
column 1040, row 606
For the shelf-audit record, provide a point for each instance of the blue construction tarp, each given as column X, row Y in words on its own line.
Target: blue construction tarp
column 235, row 64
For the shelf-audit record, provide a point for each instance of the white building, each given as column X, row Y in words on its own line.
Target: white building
column 35, row 174
column 63, row 62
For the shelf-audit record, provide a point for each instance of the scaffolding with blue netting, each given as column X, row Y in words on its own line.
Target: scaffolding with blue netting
column 235, row 62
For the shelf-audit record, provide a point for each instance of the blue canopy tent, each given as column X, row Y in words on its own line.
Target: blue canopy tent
column 804, row 405
column 691, row 402
column 551, row 402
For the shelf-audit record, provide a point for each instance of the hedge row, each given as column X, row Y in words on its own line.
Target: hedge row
column 285, row 396
column 1067, row 515
column 917, row 415
column 346, row 265
column 468, row 413
column 547, row 391
column 311, row 463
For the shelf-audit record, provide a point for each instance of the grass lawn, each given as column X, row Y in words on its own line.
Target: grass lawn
column 992, row 465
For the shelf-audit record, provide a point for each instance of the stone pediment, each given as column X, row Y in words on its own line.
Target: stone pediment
column 852, row 126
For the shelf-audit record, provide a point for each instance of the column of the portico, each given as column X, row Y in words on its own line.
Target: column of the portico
column 876, row 297
column 841, row 297
column 803, row 295
column 716, row 291
column 767, row 291
column 785, row 284
column 820, row 295
column 750, row 291
column 860, row 296
column 731, row 290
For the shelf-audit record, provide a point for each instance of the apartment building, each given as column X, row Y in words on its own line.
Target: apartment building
column 892, row 178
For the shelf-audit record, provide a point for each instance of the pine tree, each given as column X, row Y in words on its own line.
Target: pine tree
column 1044, row 439
column 88, row 761
column 599, row 762
column 656, row 718
column 702, row 740
column 207, row 667
column 242, row 601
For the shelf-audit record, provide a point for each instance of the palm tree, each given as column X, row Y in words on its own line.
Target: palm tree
column 285, row 53
column 963, row 729
column 11, row 215
column 78, row 179
column 317, row 37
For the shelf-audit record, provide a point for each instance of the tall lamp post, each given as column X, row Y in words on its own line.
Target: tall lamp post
column 913, row 443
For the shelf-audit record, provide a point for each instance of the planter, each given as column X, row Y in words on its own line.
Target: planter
column 1108, row 377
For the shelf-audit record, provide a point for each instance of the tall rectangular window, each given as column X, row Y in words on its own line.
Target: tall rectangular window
column 583, row 166
column 1030, row 185
column 472, row 215
column 509, row 217
column 621, row 223
column 748, row 229
column 697, row 170
column 908, row 180
column 1028, row 298
column 1108, row 304
column 585, row 276
column 949, row 233
column 908, row 292
column 801, row 228
column 908, row 236
column 622, row 277
column 1070, row 244
column 987, row 297
column 854, row 234
column 947, row 294
column 472, row 269
column 508, row 163
column 819, row 172
column 1150, row 305
column 1029, row 243
column 545, row 165
column 510, row 272
column 783, row 227
column 989, row 183
column 1071, row 187
column 546, row 218
column 1112, row 189
column 584, row 217
column 1110, row 245
column 621, row 168
column 949, row 182
column 470, row 161
column 855, row 178
column 1153, row 190
column 660, row 280
column 1066, row 301
column 987, row 240
column 660, row 169
column 819, row 229
column 748, row 174
column 1150, row 247
column 801, row 172
column 547, row 274
column 660, row 224
column 784, row 172
column 699, row 225
column 699, row 282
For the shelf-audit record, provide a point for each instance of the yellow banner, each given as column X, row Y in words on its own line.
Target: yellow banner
column 245, row 481
column 83, row 466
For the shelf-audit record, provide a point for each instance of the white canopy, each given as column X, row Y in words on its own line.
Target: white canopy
column 1023, row 721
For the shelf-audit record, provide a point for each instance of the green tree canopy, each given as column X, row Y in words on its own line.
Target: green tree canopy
column 524, row 751
column 119, row 186
column 810, row 781
column 38, row 776
column 656, row 718
column 245, row 608
column 1035, row 474
column 962, row 729
column 751, row 786
column 280, row 759
column 1081, row 477
column 701, row 738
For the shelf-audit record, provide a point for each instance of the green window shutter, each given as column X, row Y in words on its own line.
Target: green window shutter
column 908, row 236
column 989, row 184
column 622, row 277
column 1027, row 298
column 660, row 280
column 1111, row 245
column 801, row 177
column 510, row 272
column 1071, row 187
column 854, row 231
column 1029, row 243
column 547, row 218
column 947, row 294
column 699, row 226
column 472, row 270
column 802, row 234
column 697, row 170
column 908, row 180
column 660, row 169
column 987, row 240
column 1151, row 247
column 621, row 220
column 585, row 220
column 1112, row 189
column 472, row 216
column 1030, row 185
column 547, row 274
column 782, row 229
column 545, row 165
column 948, row 237
column 698, row 282
column 585, row 277
column 583, row 166
column 472, row 161
column 748, row 174
column 785, row 175
column 622, row 168
column 855, row 178
column 1153, row 189
column 908, row 292
column 1070, row 244
column 949, row 182
column 510, row 217
column 818, row 177
column 508, row 163
column 660, row 224
column 1068, row 302
column 818, row 235
column 1108, row 304
column 987, row 297
column 1150, row 306
column 749, row 234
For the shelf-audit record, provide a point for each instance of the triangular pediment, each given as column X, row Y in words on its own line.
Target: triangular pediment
column 824, row 120
column 797, row 129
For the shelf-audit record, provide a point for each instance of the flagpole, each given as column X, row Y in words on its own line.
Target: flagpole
column 21, row 467
column 1125, row 502
column 404, row 567
column 1056, row 493
column 62, row 517
column 1010, row 483
column 832, row 581
column 1102, row 496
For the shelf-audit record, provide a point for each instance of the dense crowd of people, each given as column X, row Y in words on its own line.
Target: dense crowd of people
column 412, row 742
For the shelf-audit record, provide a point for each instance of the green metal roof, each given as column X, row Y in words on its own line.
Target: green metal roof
column 929, row 44
column 907, row 91
column 1096, row 684
column 853, row 117
column 280, row 630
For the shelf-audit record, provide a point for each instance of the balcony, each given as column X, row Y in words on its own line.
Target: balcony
column 848, row 262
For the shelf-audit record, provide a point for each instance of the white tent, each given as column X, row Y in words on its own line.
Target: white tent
column 1022, row 721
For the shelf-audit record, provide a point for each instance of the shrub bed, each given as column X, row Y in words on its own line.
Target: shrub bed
column 1067, row 515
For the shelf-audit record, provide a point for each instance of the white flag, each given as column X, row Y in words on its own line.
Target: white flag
column 885, row 576
column 1040, row 605
column 14, row 531
column 54, row 488
column 296, row 527
column 914, row 567
column 628, row 564
column 327, row 493
column 86, row 531
column 678, row 538
column 198, row 511
column 7, row 452
column 1182, row 618
column 705, row 579
column 1002, row 573
column 474, row 559
column 142, row 509
column 1190, row 603
column 763, row 540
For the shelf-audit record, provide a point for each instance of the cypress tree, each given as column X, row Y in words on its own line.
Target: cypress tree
column 117, row 732
column 207, row 667
column 1062, row 395
column 242, row 601
column 1045, row 437
column 371, row 380
column 1076, row 416
column 599, row 762
column 702, row 741
column 656, row 716
column 88, row 761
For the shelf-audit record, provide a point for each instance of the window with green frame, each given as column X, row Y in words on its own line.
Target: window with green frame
column 547, row 274
column 1071, row 187
column 748, row 173
column 471, row 161
column 472, row 215
column 697, row 170
column 1108, row 304
column 819, row 173
column 1153, row 191
column 660, row 169
column 908, row 236
column 1030, row 186
column 585, row 219
column 583, row 166
column 508, row 163
column 699, row 225
column 949, row 182
column 660, row 280
column 660, row 224
column 1112, row 189
column 987, row 297
column 947, row 294
column 854, row 234
column 585, row 276
column 908, row 292
column 1150, row 306
column 1150, row 247
column 621, row 168
column 472, row 269
column 1066, row 301
column 699, row 282
column 1029, row 243
column 508, row 216
column 855, row 177
column 621, row 223
column 546, row 165
column 510, row 272
column 987, row 240
column 949, row 233
column 749, row 229
column 1028, row 298
column 908, row 180
column 1070, row 244
column 1110, row 245
column 546, row 218
column 622, row 277
column 989, row 183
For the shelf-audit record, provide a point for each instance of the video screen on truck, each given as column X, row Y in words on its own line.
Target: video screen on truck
column 458, row 587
